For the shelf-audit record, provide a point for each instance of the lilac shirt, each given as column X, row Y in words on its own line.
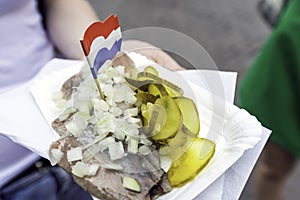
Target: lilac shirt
column 24, row 45
column 24, row 49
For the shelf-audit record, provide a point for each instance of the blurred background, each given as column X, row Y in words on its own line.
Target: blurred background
column 231, row 31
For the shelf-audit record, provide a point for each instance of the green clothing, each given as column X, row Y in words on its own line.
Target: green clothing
column 271, row 88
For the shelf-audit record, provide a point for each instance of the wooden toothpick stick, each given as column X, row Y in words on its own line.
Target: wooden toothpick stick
column 99, row 89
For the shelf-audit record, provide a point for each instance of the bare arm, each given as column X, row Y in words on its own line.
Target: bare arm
column 151, row 52
column 66, row 20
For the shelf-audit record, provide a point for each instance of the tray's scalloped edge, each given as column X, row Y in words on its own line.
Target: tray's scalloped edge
column 240, row 132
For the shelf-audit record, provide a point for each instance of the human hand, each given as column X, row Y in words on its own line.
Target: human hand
column 152, row 53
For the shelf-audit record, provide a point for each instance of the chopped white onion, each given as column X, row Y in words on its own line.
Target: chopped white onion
column 120, row 69
column 97, row 139
column 131, row 184
column 108, row 90
column 145, row 141
column 63, row 116
column 118, row 79
column 111, row 72
column 116, row 150
column 131, row 112
column 101, row 105
column 165, row 162
column 106, row 124
column 119, row 95
column 119, row 134
column 133, row 120
column 56, row 155
column 82, row 169
column 93, row 120
column 79, row 169
column 113, row 166
column 81, row 120
column 74, row 154
column 90, row 152
column 85, row 106
column 144, row 150
column 73, row 129
column 131, row 129
column 115, row 116
column 116, row 111
column 133, row 145
column 92, row 169
column 103, row 144
column 102, row 77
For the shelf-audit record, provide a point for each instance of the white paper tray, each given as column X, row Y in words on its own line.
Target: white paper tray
column 233, row 129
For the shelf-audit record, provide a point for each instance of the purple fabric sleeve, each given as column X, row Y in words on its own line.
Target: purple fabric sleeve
column 24, row 49
column 13, row 159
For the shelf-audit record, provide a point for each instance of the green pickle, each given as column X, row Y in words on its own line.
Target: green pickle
column 172, row 121
column 176, row 146
column 145, row 97
column 139, row 84
column 173, row 90
column 157, row 90
column 151, row 70
column 154, row 118
column 191, row 162
column 189, row 113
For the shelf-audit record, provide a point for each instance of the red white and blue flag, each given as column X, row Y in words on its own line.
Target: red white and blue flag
column 101, row 42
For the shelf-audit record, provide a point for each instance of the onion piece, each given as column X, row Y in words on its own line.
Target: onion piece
column 105, row 124
column 82, row 169
column 134, row 120
column 116, row 111
column 144, row 150
column 145, row 141
column 103, row 144
column 63, row 116
column 74, row 154
column 55, row 156
column 133, row 145
column 131, row 184
column 116, row 150
column 97, row 139
column 131, row 112
column 119, row 134
column 100, row 105
column 92, row 169
column 73, row 129
column 85, row 106
column 113, row 166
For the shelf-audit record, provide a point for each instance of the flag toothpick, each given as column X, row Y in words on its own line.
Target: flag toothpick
column 101, row 42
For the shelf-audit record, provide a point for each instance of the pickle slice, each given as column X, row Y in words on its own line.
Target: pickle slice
column 145, row 97
column 139, row 84
column 189, row 164
column 154, row 118
column 157, row 90
column 174, row 119
column 151, row 70
column 172, row 89
column 189, row 113
column 176, row 146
